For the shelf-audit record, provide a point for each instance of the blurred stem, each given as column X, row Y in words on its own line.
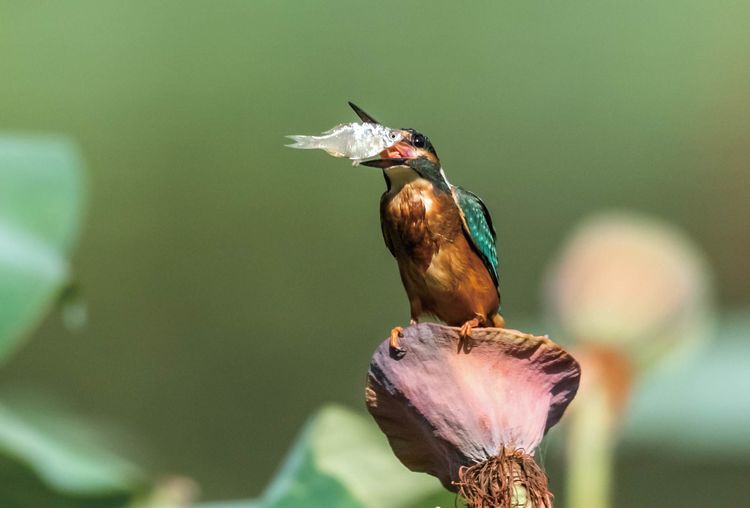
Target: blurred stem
column 590, row 450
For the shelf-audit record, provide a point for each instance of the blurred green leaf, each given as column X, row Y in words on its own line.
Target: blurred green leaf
column 63, row 451
column 341, row 460
column 21, row 488
column 700, row 406
column 41, row 195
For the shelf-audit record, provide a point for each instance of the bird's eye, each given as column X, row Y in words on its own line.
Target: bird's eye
column 394, row 135
column 418, row 140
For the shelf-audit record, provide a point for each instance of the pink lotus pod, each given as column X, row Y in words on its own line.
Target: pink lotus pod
column 472, row 412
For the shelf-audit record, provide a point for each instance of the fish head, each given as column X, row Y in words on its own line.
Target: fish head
column 387, row 136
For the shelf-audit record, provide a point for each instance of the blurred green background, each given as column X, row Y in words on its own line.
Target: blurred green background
column 234, row 285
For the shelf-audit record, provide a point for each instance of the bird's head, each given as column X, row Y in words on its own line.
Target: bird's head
column 414, row 150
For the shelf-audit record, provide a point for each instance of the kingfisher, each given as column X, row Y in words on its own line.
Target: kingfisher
column 441, row 236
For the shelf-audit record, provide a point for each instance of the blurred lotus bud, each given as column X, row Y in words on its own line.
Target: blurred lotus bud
column 627, row 290
column 472, row 414
column 633, row 284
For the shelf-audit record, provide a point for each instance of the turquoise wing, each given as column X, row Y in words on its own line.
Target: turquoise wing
column 478, row 227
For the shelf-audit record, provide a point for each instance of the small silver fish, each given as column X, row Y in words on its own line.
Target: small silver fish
column 357, row 141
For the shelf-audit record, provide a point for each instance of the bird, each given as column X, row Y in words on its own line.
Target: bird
column 441, row 235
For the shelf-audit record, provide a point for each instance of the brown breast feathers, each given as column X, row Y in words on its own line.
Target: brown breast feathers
column 417, row 219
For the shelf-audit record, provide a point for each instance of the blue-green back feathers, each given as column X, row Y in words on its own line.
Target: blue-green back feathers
column 478, row 226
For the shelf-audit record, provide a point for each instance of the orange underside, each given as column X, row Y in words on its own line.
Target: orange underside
column 441, row 272
column 456, row 287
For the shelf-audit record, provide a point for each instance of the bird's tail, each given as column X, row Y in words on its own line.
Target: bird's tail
column 304, row 142
column 498, row 321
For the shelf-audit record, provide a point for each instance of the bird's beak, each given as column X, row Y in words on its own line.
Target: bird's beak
column 385, row 163
column 362, row 115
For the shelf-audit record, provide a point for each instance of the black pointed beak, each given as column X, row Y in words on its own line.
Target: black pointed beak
column 385, row 163
column 361, row 114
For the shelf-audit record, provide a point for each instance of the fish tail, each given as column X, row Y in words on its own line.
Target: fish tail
column 304, row 142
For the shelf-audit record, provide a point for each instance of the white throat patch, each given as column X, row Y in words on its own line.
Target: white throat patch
column 400, row 176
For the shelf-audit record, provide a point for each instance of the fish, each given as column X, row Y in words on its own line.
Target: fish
column 356, row 141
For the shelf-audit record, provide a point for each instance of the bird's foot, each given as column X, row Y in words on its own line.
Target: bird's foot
column 465, row 331
column 396, row 349
column 464, row 334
